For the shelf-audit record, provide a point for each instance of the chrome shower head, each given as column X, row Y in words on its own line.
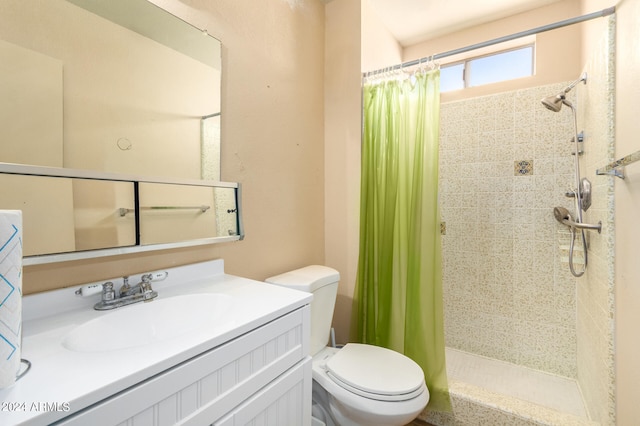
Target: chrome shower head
column 554, row 102
column 561, row 214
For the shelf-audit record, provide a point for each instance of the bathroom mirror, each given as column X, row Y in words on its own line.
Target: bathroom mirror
column 62, row 215
column 47, row 202
column 72, row 214
column 171, row 213
column 117, row 86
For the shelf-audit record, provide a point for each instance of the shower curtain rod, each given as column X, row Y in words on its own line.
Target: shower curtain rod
column 559, row 24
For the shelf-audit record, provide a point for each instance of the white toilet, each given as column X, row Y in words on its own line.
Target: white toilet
column 357, row 384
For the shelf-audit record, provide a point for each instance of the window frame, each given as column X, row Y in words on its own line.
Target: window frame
column 466, row 68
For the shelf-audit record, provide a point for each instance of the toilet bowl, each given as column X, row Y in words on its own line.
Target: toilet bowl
column 369, row 385
column 358, row 384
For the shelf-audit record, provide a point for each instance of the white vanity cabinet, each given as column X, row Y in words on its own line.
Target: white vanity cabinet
column 260, row 377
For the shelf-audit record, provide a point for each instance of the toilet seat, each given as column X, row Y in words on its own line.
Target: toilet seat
column 376, row 373
column 348, row 408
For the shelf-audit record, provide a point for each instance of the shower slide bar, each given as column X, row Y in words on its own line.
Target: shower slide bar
column 617, row 167
column 600, row 14
column 123, row 211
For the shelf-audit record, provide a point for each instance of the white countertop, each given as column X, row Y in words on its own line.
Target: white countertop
column 62, row 381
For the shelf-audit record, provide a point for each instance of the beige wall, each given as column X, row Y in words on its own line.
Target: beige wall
column 355, row 41
column 31, row 111
column 379, row 48
column 115, row 84
column 51, row 202
column 272, row 142
column 342, row 151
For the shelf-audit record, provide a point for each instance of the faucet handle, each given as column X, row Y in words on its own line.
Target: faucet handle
column 145, row 285
column 92, row 289
column 108, row 293
column 89, row 290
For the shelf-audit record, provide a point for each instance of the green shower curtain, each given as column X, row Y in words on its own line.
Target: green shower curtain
column 398, row 295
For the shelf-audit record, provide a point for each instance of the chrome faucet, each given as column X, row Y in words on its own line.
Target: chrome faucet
column 141, row 292
column 125, row 289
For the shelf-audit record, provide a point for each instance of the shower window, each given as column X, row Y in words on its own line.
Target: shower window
column 452, row 77
column 500, row 66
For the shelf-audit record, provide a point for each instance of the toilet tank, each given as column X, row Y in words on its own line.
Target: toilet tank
column 322, row 282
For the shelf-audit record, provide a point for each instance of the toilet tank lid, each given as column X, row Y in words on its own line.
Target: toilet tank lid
column 309, row 279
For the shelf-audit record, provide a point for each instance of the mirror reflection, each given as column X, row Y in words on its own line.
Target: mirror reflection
column 170, row 213
column 108, row 85
column 74, row 214
column 62, row 215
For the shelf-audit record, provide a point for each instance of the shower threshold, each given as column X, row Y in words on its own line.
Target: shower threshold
column 487, row 391
column 555, row 392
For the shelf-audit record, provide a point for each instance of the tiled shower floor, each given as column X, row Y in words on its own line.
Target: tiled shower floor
column 558, row 393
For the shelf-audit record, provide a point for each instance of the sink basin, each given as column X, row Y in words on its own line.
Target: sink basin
column 145, row 323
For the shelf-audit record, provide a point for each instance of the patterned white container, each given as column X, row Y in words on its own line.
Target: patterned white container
column 10, row 295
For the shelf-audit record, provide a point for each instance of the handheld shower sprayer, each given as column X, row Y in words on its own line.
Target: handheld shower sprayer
column 554, row 102
column 563, row 216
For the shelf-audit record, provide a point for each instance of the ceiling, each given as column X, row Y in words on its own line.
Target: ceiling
column 412, row 21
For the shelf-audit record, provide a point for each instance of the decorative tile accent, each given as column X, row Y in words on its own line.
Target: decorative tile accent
column 523, row 168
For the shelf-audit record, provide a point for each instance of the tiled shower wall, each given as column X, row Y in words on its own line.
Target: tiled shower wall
column 505, row 162
column 595, row 290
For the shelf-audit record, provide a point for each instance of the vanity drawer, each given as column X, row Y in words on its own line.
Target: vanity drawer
column 285, row 401
column 204, row 389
